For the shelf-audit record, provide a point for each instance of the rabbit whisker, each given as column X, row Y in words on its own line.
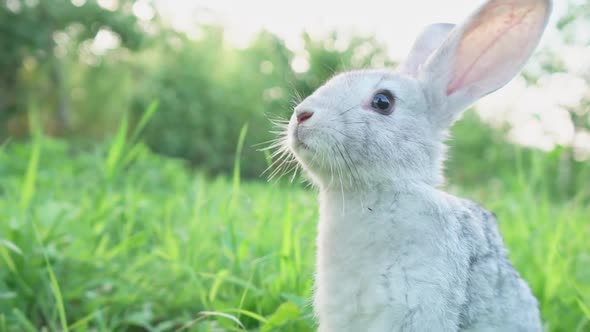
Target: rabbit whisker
column 283, row 154
column 349, row 109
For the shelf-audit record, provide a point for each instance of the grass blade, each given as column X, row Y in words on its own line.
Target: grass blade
column 25, row 324
column 249, row 314
column 13, row 247
column 145, row 118
column 205, row 314
column 585, row 308
column 55, row 289
column 241, row 139
column 28, row 188
column 117, row 148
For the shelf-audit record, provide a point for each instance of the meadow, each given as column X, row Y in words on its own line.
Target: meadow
column 111, row 222
column 116, row 238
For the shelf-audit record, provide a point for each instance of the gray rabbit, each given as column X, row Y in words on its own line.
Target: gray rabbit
column 395, row 253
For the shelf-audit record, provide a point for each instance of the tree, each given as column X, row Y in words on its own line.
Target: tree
column 570, row 25
column 28, row 32
column 577, row 19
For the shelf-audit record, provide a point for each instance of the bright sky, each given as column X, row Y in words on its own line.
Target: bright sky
column 395, row 23
column 536, row 113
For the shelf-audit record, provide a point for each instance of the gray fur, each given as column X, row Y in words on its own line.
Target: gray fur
column 394, row 252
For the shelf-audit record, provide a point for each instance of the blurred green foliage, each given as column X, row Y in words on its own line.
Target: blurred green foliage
column 480, row 154
column 109, row 236
column 33, row 35
column 121, row 239
column 207, row 89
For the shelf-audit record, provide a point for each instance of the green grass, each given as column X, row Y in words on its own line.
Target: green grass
column 122, row 240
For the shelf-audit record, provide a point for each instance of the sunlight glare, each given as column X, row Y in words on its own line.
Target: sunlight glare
column 537, row 114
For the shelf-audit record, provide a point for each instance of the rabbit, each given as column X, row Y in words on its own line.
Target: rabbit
column 394, row 251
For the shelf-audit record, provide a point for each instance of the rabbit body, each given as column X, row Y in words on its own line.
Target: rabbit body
column 395, row 253
column 415, row 259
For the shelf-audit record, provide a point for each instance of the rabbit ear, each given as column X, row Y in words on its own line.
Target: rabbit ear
column 484, row 53
column 429, row 40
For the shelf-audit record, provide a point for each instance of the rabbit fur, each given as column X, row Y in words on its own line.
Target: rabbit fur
column 395, row 252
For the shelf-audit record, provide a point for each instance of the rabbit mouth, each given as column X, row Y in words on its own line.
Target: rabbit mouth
column 298, row 143
column 301, row 145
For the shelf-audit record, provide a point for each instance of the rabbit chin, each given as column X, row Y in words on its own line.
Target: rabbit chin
column 313, row 155
column 306, row 152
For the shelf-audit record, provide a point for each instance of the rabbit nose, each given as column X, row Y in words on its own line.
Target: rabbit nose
column 303, row 116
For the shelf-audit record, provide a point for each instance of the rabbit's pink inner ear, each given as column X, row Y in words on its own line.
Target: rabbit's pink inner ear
column 496, row 43
column 429, row 40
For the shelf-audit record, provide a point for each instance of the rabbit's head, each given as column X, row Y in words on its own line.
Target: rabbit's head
column 363, row 128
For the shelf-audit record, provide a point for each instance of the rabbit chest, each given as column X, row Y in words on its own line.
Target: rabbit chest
column 378, row 261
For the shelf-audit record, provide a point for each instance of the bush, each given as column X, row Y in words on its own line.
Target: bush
column 209, row 91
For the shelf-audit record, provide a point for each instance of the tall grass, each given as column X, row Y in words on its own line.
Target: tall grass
column 118, row 239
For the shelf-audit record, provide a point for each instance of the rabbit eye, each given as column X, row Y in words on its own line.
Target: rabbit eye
column 383, row 102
